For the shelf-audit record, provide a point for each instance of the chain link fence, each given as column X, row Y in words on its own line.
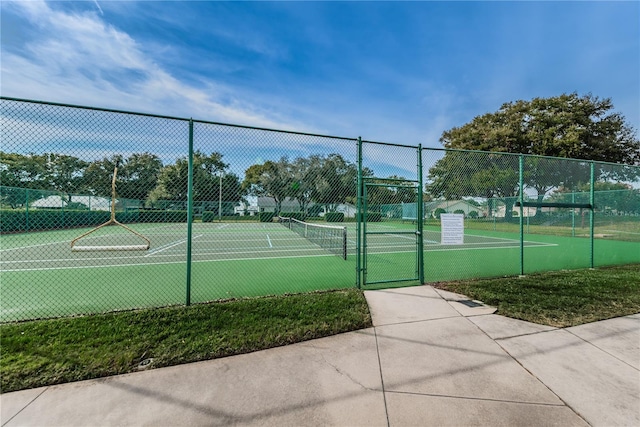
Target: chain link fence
column 105, row 210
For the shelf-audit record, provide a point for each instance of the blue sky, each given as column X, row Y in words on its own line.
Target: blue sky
column 400, row 72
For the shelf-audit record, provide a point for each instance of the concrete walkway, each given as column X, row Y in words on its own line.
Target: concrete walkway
column 432, row 358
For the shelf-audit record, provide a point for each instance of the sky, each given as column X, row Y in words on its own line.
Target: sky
column 399, row 72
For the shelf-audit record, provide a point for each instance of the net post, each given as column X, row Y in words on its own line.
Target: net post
column 344, row 243
column 189, row 212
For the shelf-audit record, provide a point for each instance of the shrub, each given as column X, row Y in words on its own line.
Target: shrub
column 315, row 210
column 49, row 219
column 374, row 217
column 162, row 216
column 12, row 220
column 439, row 212
column 334, row 217
column 266, row 216
column 208, row 216
column 473, row 214
column 458, row 211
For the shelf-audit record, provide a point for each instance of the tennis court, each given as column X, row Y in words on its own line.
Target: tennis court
column 43, row 277
column 47, row 251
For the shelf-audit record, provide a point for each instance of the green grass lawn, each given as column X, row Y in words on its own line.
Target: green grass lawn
column 559, row 298
column 46, row 352
column 55, row 351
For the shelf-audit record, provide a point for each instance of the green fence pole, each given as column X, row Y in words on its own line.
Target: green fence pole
column 359, row 216
column 26, row 210
column 593, row 210
column 365, row 209
column 189, row 211
column 419, row 219
column 521, row 197
column 493, row 213
column 573, row 215
column 219, row 199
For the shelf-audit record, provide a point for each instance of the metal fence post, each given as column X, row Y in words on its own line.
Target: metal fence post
column 420, row 219
column 359, row 216
column 573, row 214
column 521, row 197
column 593, row 211
column 189, row 211
column 26, row 211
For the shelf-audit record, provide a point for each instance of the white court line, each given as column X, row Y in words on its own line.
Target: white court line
column 457, row 249
column 142, row 229
column 230, row 251
column 621, row 232
column 225, row 251
column 470, row 235
column 19, row 248
column 168, row 246
column 269, row 240
column 174, row 262
column 239, row 259
column 35, row 246
column 399, row 236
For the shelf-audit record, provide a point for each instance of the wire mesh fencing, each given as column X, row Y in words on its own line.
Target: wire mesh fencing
column 104, row 210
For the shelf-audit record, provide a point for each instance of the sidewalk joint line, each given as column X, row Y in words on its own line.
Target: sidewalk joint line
column 418, row 321
column 538, row 379
column 483, row 399
column 601, row 349
column 384, row 395
column 526, row 334
column 25, row 406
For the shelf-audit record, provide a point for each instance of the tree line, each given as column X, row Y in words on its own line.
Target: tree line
column 569, row 125
column 317, row 180
column 141, row 176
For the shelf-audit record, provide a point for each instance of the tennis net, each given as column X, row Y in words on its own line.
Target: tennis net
column 331, row 238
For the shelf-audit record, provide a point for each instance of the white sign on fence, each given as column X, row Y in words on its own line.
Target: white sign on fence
column 452, row 229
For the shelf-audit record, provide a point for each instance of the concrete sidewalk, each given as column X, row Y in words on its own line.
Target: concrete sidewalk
column 432, row 358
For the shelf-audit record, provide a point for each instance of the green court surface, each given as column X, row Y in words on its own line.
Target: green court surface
column 42, row 277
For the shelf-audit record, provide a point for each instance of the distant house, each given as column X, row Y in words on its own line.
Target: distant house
column 268, row 204
column 527, row 211
column 347, row 209
column 50, row 202
column 247, row 207
column 451, row 206
column 93, row 203
column 255, row 204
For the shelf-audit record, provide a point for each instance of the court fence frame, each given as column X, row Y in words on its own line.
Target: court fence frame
column 494, row 186
column 521, row 203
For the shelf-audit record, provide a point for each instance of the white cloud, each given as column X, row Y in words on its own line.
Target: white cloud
column 79, row 58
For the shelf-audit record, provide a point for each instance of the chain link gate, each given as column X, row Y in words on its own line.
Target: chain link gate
column 390, row 226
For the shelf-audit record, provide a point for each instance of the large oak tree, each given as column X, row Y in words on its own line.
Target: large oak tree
column 569, row 125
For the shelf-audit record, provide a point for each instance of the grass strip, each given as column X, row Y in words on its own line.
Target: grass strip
column 48, row 352
column 560, row 298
